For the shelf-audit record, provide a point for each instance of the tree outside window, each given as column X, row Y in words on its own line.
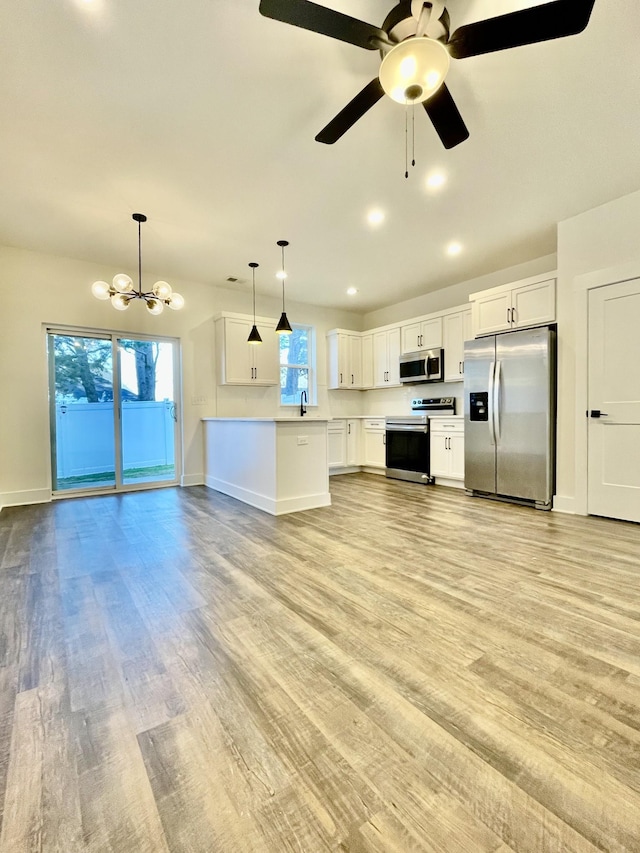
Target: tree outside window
column 296, row 373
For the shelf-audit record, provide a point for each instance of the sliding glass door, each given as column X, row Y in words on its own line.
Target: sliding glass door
column 148, row 410
column 113, row 411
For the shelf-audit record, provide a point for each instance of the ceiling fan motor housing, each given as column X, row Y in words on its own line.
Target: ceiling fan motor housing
column 401, row 23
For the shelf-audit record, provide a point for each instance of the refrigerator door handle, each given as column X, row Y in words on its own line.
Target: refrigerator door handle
column 492, row 426
column 495, row 403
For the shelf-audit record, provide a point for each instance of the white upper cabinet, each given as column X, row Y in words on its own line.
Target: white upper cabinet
column 456, row 329
column 422, row 334
column 531, row 302
column 241, row 363
column 367, row 360
column 344, row 354
column 386, row 358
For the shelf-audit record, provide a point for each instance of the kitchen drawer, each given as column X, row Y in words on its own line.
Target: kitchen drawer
column 371, row 423
column 446, row 425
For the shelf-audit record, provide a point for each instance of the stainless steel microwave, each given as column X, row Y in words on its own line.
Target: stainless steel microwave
column 424, row 366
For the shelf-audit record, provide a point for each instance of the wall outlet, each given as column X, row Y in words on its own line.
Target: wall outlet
column 198, row 401
column 303, row 439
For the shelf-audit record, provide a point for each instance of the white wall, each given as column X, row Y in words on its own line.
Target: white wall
column 602, row 238
column 37, row 289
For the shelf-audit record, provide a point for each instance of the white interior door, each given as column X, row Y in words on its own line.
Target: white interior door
column 614, row 401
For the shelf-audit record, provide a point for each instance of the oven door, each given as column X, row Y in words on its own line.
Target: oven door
column 407, row 453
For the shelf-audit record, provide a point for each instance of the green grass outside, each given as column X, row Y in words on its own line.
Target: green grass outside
column 158, row 472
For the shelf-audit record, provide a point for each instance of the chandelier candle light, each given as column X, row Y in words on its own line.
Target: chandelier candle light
column 254, row 334
column 122, row 292
column 283, row 327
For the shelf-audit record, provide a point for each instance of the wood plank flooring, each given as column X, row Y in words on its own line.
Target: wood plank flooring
column 410, row 669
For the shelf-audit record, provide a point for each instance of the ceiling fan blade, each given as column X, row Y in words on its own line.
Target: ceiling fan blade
column 354, row 110
column 446, row 118
column 327, row 22
column 553, row 20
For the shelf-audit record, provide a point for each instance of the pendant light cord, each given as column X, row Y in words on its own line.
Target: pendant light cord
column 139, row 261
column 254, row 295
column 283, row 278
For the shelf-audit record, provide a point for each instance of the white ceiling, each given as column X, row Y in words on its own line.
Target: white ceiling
column 202, row 115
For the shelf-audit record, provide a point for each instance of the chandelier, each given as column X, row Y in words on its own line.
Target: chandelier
column 122, row 292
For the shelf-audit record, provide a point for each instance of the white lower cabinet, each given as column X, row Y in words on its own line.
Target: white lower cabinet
column 447, row 448
column 373, row 443
column 343, row 437
column 353, row 442
column 337, row 443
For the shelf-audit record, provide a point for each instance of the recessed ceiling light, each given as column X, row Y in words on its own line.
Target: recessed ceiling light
column 454, row 248
column 352, row 291
column 436, row 180
column 375, row 216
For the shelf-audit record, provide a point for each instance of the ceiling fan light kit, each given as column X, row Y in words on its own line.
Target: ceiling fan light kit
column 121, row 291
column 416, row 46
column 412, row 71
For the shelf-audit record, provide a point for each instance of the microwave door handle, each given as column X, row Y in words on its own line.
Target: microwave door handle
column 492, row 426
column 497, row 387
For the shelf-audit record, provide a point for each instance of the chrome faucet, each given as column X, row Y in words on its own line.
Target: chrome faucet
column 303, row 411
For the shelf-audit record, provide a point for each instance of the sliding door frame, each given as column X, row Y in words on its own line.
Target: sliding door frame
column 114, row 337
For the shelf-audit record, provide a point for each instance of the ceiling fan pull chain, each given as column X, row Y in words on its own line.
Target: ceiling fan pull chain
column 413, row 134
column 406, row 140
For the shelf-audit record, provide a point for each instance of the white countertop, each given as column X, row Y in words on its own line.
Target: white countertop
column 282, row 420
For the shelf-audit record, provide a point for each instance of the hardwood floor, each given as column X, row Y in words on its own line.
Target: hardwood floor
column 410, row 669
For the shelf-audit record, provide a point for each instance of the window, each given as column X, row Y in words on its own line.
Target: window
column 297, row 355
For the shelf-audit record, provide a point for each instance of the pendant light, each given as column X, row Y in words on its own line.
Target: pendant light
column 283, row 327
column 254, row 334
column 121, row 292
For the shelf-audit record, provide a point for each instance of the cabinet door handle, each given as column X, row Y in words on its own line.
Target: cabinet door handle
column 348, row 429
column 384, row 438
column 459, row 367
column 513, row 315
column 341, row 379
column 508, row 315
column 352, row 378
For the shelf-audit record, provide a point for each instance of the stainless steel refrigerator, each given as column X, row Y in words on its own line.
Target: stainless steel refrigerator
column 510, row 416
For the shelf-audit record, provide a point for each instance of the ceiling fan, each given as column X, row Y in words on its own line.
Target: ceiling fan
column 416, row 45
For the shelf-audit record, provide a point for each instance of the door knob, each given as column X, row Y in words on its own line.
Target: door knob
column 596, row 413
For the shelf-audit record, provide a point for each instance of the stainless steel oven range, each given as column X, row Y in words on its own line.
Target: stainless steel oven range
column 407, row 440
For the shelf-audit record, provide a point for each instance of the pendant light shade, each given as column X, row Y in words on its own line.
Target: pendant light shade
column 122, row 291
column 254, row 334
column 283, row 327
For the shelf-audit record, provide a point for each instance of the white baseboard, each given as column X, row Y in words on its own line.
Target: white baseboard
column 451, row 483
column 192, row 480
column 368, row 469
column 347, row 469
column 30, row 496
column 267, row 504
column 564, row 504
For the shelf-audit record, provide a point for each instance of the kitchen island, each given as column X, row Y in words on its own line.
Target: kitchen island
column 278, row 465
